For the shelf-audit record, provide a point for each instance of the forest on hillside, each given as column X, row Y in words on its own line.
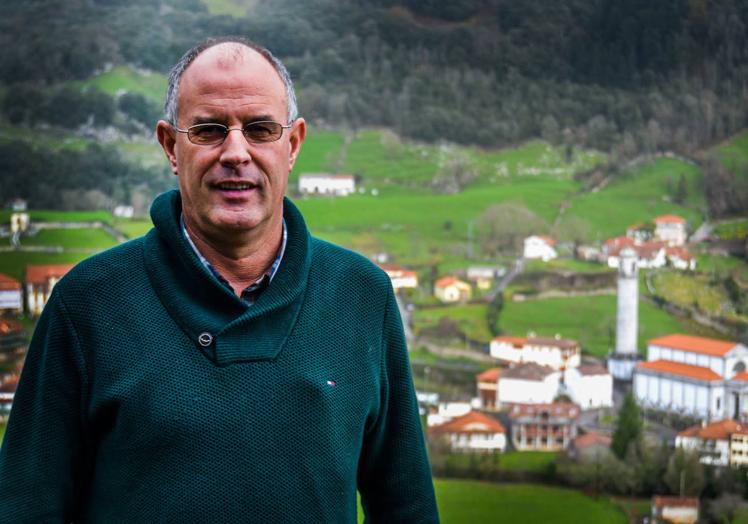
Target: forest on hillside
column 628, row 77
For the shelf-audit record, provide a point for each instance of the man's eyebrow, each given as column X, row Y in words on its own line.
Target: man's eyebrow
column 205, row 120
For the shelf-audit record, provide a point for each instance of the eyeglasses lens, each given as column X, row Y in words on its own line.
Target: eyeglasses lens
column 211, row 134
column 263, row 131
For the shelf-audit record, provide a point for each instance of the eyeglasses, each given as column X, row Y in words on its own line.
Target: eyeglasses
column 214, row 134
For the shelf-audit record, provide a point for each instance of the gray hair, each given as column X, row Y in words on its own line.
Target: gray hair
column 175, row 76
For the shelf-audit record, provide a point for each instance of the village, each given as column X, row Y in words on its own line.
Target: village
column 541, row 393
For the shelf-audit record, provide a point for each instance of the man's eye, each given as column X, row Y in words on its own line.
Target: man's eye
column 209, row 130
column 261, row 131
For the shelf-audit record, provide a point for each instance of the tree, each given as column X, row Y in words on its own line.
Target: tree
column 628, row 430
column 492, row 314
column 503, row 227
column 685, row 474
column 681, row 192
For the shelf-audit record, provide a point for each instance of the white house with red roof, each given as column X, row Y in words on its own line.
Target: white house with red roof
column 540, row 246
column 39, row 280
column 528, row 384
column 671, row 229
column 680, row 510
column 472, row 432
column 680, row 258
column 400, row 277
column 694, row 375
column 589, row 385
column 451, row 290
column 555, row 352
column 11, row 294
column 649, row 254
column 721, row 443
column 326, row 184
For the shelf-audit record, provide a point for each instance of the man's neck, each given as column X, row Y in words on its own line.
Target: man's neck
column 240, row 263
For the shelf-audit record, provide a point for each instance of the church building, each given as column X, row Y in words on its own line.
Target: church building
column 697, row 376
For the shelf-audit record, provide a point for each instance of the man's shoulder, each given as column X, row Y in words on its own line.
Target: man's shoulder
column 332, row 259
column 116, row 265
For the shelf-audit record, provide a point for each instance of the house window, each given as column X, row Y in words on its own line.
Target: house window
column 719, row 403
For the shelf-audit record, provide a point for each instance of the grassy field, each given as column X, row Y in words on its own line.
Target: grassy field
column 734, row 152
column 700, row 291
column 732, row 230
column 88, row 238
column 236, row 8
column 61, row 216
column 567, row 264
column 151, row 85
column 532, row 461
column 471, row 319
column 590, row 320
column 470, row 502
column 639, row 196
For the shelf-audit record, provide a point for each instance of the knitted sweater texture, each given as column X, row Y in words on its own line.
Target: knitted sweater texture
column 151, row 393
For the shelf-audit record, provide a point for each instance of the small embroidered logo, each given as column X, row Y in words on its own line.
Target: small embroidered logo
column 331, row 383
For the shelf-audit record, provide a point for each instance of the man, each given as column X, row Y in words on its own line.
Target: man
column 226, row 367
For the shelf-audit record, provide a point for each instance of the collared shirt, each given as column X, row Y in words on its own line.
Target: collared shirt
column 251, row 292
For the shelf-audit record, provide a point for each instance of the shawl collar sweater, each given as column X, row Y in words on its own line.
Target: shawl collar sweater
column 151, row 393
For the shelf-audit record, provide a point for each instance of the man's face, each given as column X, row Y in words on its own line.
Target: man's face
column 236, row 185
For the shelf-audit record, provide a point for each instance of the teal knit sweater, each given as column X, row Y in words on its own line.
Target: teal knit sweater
column 151, row 393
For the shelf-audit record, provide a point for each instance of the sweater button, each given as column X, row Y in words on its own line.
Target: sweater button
column 205, row 339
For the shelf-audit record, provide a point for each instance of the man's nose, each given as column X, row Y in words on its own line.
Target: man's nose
column 235, row 148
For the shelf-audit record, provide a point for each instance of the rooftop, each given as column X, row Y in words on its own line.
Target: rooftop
column 556, row 409
column 705, row 346
column 679, row 369
column 470, row 423
column 40, row 274
column 720, row 430
column 8, row 283
column 669, row 219
column 680, row 502
column 592, row 438
column 490, row 375
column 528, row 371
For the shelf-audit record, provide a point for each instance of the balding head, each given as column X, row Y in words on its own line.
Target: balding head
column 228, row 52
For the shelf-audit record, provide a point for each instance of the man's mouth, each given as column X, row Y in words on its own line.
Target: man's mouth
column 235, row 186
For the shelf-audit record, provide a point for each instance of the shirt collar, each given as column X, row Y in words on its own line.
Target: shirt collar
column 251, row 292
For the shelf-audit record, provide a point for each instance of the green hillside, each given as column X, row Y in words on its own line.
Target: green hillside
column 639, row 195
column 151, row 85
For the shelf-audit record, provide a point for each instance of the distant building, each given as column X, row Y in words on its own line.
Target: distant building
column 488, row 385
column 11, row 294
column 591, row 447
column 39, row 281
column 451, row 290
column 19, row 222
column 528, row 384
column 543, row 427
column 640, row 232
column 649, row 254
column 472, row 432
column 123, row 211
column 621, row 363
column 675, row 510
column 12, row 337
column 589, row 385
column 540, row 246
column 721, row 443
column 326, row 184
column 671, row 229
column 401, row 278
column 555, row 352
column 697, row 376
column 484, row 276
column 680, row 258
column 8, row 386
column 447, row 411
column 589, row 253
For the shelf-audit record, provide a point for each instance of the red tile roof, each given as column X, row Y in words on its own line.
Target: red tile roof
column 548, row 240
column 676, row 502
column 517, row 342
column 561, row 343
column 592, row 439
column 8, row 326
column 592, row 369
column 9, row 383
column 706, row 346
column 679, row 369
column 490, row 375
column 618, row 243
column 40, row 274
column 742, row 376
column 679, row 252
column 8, row 283
column 470, row 423
column 448, row 281
column 669, row 219
column 719, row 430
column 528, row 371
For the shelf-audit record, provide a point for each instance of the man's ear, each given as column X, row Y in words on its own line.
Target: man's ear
column 296, row 137
column 168, row 140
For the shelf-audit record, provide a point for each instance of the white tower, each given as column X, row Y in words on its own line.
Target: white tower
column 621, row 363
